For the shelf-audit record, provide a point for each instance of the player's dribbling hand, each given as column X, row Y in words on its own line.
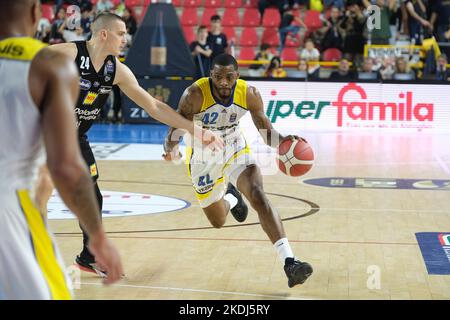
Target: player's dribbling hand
column 107, row 257
column 295, row 137
column 173, row 155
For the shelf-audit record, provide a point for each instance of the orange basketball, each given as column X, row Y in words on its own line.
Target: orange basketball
column 295, row 157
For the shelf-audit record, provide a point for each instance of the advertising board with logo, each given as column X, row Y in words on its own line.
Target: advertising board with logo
column 299, row 106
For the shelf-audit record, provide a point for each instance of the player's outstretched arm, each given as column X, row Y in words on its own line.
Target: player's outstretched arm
column 190, row 104
column 54, row 83
column 127, row 82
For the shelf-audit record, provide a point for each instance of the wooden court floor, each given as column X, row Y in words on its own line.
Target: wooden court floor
column 360, row 241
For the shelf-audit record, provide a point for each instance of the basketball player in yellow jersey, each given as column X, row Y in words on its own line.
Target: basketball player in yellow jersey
column 37, row 93
column 217, row 103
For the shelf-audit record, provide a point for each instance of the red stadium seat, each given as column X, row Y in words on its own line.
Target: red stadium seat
column 230, row 32
column 189, row 34
column 312, row 20
column 293, row 42
column 271, row 18
column 249, row 37
column 193, row 3
column 271, row 37
column 207, row 14
column 176, row 3
column 251, row 18
column 133, row 3
column 213, row 3
column 231, row 17
column 189, row 17
column 289, row 54
column 332, row 54
column 250, row 3
column 47, row 12
column 232, row 3
column 247, row 53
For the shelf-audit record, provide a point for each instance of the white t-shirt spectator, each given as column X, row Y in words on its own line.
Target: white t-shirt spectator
column 104, row 5
column 310, row 55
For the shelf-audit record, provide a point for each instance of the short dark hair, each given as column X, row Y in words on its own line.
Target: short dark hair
column 224, row 60
column 264, row 46
column 201, row 28
column 215, row 17
column 103, row 20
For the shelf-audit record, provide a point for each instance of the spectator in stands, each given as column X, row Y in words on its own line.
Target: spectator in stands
column 56, row 34
column 417, row 20
column 288, row 28
column 282, row 6
column 441, row 17
column 353, row 24
column 387, row 68
column 333, row 33
column 402, row 70
column 216, row 38
column 311, row 55
column 382, row 35
column 312, row 73
column 442, row 73
column 130, row 22
column 120, row 8
column 257, row 70
column 275, row 70
column 201, row 52
column 44, row 29
column 295, row 4
column 343, row 72
column 340, row 4
column 104, row 5
column 86, row 20
column 368, row 70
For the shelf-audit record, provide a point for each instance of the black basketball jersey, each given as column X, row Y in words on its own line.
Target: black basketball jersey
column 94, row 87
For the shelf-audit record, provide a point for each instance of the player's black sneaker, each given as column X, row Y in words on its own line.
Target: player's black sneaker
column 240, row 211
column 89, row 266
column 297, row 271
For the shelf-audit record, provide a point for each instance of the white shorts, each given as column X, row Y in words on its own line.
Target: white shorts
column 31, row 267
column 210, row 171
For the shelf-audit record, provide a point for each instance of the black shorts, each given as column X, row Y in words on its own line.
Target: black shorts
column 88, row 157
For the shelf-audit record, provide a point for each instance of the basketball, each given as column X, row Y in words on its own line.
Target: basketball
column 295, row 157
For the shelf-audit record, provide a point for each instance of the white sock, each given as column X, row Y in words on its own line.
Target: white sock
column 283, row 249
column 232, row 200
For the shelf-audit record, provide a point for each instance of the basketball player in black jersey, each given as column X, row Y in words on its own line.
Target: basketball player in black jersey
column 99, row 70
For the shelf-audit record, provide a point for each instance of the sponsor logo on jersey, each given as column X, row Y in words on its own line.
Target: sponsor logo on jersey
column 104, row 90
column 109, row 67
column 90, row 98
column 12, row 50
column 233, row 117
column 93, row 169
column 107, row 78
column 85, row 84
column 96, row 84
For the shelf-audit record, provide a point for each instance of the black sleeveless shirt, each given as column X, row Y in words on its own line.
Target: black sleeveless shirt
column 94, row 87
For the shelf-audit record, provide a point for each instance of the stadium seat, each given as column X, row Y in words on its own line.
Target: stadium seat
column 332, row 54
column 271, row 18
column 47, row 12
column 289, row 54
column 232, row 3
column 249, row 37
column 271, row 37
column 246, row 53
column 250, row 3
column 312, row 20
column 251, row 18
column 176, row 3
column 133, row 3
column 230, row 32
column 293, row 42
column 189, row 34
column 193, row 3
column 207, row 14
column 213, row 3
column 231, row 17
column 189, row 17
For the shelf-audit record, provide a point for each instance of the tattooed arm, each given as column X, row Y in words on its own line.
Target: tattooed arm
column 190, row 104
